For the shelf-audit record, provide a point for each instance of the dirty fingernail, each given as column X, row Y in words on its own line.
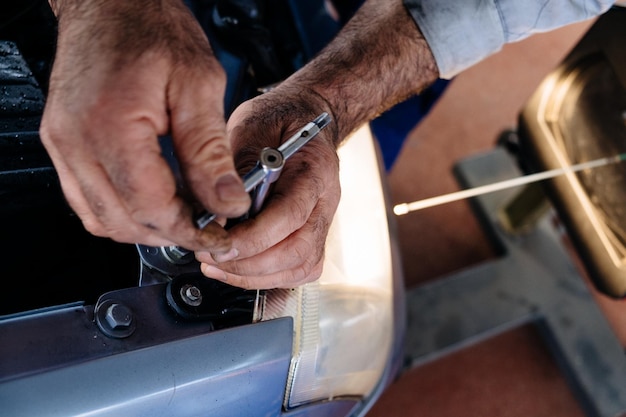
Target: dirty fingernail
column 229, row 188
column 225, row 257
column 213, row 272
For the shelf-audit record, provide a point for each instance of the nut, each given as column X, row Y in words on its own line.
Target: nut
column 191, row 295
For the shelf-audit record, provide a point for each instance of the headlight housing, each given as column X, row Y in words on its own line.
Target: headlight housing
column 343, row 323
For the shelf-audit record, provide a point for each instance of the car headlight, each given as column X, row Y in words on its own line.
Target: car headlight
column 343, row 323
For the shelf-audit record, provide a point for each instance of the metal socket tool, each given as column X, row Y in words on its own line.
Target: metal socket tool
column 271, row 161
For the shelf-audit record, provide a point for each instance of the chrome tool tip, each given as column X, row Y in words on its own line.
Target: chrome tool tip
column 322, row 120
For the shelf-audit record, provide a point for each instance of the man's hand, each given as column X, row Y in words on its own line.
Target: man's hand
column 378, row 59
column 283, row 246
column 126, row 72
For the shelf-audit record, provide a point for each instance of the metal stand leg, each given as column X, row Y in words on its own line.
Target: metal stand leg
column 534, row 281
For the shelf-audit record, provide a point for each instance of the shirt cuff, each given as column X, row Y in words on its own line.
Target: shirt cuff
column 462, row 33
column 459, row 33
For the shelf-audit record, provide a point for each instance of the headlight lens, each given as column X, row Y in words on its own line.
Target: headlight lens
column 343, row 323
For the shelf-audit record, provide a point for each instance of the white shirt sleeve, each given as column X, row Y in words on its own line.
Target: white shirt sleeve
column 462, row 32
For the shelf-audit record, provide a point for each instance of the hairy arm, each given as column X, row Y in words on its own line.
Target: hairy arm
column 379, row 59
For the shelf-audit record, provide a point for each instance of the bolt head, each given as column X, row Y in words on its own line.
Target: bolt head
column 177, row 255
column 118, row 316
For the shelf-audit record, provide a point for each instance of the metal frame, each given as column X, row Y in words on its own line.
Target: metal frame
column 168, row 367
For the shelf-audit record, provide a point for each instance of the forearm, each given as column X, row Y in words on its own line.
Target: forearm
column 379, row 59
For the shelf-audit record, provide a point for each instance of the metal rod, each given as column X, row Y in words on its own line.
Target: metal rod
column 404, row 208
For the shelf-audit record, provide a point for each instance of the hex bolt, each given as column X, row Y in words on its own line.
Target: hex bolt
column 114, row 319
column 177, row 255
column 118, row 316
column 191, row 295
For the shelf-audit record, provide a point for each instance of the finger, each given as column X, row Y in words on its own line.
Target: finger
column 108, row 215
column 97, row 205
column 102, row 198
column 146, row 221
column 287, row 264
column 284, row 279
column 310, row 178
column 199, row 134
column 137, row 170
column 305, row 245
column 141, row 191
column 130, row 209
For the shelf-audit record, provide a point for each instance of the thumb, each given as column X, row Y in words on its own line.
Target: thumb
column 201, row 144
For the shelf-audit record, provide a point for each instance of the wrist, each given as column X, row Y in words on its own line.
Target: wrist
column 305, row 103
column 379, row 59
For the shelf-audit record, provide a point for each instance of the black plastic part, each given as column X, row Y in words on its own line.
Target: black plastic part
column 47, row 257
column 31, row 25
column 220, row 303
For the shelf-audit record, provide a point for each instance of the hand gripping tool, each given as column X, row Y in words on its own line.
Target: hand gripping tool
column 160, row 264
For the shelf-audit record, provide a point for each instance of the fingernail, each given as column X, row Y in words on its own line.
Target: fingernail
column 213, row 272
column 225, row 257
column 229, row 188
